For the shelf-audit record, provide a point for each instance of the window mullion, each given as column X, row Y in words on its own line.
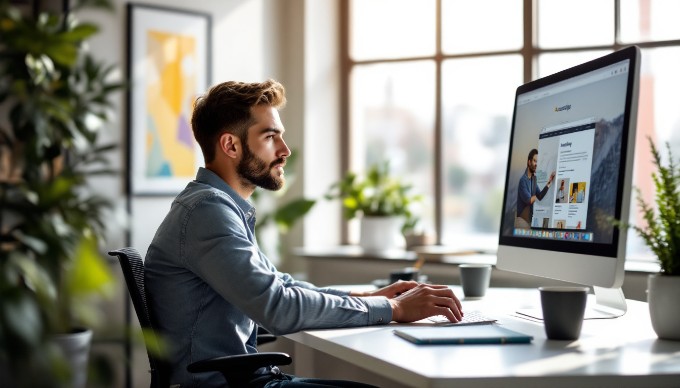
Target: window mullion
column 530, row 39
column 438, row 132
column 345, row 135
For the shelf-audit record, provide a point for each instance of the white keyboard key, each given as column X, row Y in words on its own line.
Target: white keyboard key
column 469, row 318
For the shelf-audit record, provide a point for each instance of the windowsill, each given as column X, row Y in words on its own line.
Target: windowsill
column 439, row 254
column 641, row 266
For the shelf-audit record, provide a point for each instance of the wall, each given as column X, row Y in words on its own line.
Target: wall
column 242, row 49
column 293, row 41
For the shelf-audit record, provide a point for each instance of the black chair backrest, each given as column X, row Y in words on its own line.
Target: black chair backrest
column 133, row 271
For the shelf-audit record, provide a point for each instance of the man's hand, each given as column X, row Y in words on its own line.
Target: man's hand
column 425, row 300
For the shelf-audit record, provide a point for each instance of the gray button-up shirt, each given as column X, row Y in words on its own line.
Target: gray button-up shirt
column 209, row 285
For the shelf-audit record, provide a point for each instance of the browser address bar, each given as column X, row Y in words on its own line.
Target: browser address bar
column 610, row 71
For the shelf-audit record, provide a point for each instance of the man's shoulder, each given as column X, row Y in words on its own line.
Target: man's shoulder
column 202, row 206
column 207, row 210
column 201, row 194
column 524, row 178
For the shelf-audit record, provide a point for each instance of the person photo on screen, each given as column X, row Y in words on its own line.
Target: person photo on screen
column 209, row 285
column 528, row 191
column 574, row 191
column 580, row 196
column 561, row 194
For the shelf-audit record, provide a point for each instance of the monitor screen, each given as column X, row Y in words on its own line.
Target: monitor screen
column 569, row 172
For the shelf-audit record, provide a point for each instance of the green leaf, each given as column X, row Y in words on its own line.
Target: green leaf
column 377, row 194
column 286, row 215
column 20, row 316
column 79, row 33
column 35, row 244
column 34, row 276
column 63, row 53
column 661, row 229
column 89, row 274
column 155, row 344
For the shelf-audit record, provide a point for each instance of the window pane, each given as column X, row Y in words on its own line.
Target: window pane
column 575, row 23
column 492, row 31
column 553, row 63
column 392, row 28
column 649, row 20
column 658, row 118
column 393, row 119
column 478, row 96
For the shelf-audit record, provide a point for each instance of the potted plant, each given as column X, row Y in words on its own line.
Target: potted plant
column 54, row 101
column 661, row 233
column 383, row 203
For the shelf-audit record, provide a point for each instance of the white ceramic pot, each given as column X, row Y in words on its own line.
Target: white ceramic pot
column 663, row 296
column 75, row 347
column 381, row 233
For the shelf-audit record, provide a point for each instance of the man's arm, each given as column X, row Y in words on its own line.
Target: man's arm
column 289, row 281
column 218, row 249
column 543, row 192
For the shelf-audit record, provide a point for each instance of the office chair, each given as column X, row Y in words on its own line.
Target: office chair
column 237, row 370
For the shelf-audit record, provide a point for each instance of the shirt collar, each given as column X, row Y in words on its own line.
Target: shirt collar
column 210, row 178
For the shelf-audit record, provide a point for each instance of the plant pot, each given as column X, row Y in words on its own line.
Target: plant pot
column 381, row 233
column 75, row 347
column 663, row 294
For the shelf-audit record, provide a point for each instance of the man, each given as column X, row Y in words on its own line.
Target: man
column 210, row 286
column 528, row 192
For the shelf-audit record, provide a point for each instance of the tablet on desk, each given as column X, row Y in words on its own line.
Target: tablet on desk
column 460, row 335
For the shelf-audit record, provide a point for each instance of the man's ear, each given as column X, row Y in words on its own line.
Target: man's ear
column 229, row 144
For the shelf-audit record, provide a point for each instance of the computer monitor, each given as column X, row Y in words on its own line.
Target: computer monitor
column 569, row 175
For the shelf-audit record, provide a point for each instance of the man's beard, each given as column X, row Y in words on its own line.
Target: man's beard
column 532, row 168
column 256, row 171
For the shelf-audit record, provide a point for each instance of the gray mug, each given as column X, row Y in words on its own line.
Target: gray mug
column 475, row 279
column 563, row 310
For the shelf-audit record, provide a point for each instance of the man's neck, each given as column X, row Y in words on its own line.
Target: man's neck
column 231, row 177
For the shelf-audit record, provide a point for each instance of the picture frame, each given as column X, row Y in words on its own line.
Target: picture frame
column 168, row 67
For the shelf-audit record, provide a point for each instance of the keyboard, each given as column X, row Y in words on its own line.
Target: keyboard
column 470, row 318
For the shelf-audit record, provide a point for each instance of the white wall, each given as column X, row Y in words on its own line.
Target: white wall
column 294, row 41
column 252, row 40
column 311, row 69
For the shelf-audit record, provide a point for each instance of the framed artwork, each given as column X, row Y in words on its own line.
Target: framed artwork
column 168, row 67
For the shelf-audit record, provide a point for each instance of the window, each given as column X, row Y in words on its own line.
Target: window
column 430, row 87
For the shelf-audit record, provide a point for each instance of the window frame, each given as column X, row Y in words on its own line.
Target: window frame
column 529, row 53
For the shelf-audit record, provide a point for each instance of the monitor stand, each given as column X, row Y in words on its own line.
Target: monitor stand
column 608, row 303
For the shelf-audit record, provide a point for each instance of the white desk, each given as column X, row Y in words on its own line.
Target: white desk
column 621, row 352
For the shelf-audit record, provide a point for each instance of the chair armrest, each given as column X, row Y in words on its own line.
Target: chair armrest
column 240, row 367
column 265, row 338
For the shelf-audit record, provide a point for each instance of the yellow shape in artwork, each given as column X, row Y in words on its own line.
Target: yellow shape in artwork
column 169, row 88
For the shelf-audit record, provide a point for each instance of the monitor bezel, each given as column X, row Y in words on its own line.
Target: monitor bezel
column 510, row 246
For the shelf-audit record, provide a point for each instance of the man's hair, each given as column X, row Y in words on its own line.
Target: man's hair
column 226, row 108
column 533, row 152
